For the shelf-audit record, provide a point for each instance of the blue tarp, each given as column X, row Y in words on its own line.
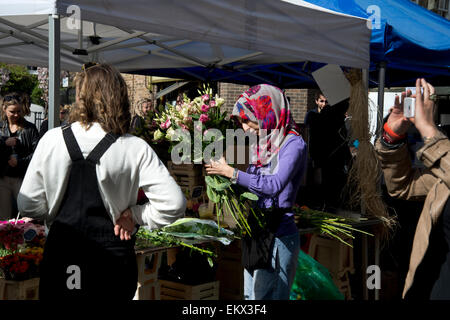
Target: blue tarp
column 407, row 34
column 413, row 41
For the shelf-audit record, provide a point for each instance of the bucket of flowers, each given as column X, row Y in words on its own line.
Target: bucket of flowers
column 21, row 249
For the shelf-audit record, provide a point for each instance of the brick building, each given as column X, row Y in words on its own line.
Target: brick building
column 138, row 87
column 301, row 100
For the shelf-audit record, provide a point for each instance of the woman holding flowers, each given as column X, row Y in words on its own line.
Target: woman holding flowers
column 84, row 180
column 278, row 164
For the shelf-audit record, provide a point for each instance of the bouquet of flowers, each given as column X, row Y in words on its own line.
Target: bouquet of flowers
column 189, row 116
column 21, row 265
column 21, row 249
column 201, row 120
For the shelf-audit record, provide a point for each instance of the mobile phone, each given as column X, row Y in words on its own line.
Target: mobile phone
column 409, row 107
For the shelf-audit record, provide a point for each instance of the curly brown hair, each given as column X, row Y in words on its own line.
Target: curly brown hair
column 102, row 96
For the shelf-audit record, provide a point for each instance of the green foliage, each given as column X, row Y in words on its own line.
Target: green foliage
column 326, row 223
column 19, row 80
column 36, row 96
column 157, row 238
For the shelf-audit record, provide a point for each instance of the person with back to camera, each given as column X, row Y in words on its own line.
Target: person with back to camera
column 275, row 177
column 429, row 267
column 83, row 181
column 18, row 139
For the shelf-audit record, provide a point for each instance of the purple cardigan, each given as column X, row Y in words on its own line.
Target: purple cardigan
column 282, row 185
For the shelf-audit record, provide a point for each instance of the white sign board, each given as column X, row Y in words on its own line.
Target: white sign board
column 333, row 83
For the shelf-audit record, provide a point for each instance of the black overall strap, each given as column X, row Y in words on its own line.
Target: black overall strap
column 101, row 147
column 71, row 143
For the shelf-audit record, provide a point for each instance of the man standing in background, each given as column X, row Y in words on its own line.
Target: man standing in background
column 328, row 150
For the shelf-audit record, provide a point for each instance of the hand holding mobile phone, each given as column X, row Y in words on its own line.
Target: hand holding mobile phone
column 409, row 107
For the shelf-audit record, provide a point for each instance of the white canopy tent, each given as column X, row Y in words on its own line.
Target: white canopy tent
column 137, row 34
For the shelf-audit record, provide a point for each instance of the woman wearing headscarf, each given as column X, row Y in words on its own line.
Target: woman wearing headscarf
column 278, row 163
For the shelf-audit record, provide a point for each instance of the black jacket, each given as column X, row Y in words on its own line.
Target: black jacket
column 28, row 138
column 328, row 135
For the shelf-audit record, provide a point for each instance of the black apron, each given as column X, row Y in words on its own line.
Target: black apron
column 82, row 256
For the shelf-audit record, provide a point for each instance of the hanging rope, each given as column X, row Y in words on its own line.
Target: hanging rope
column 365, row 173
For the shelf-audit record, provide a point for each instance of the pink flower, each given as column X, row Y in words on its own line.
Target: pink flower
column 205, row 97
column 203, row 118
column 212, row 103
column 205, row 108
column 166, row 124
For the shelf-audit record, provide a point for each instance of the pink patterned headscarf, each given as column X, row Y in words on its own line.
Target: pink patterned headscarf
column 267, row 106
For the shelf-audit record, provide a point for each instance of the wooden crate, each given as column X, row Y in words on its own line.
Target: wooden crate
column 230, row 272
column 337, row 258
column 148, row 287
column 148, row 291
column 187, row 176
column 183, row 169
column 332, row 254
column 19, row 290
column 178, row 291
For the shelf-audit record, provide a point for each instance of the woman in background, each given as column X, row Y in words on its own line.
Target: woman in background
column 17, row 143
column 64, row 112
column 142, row 108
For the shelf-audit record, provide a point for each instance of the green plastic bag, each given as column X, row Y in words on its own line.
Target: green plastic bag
column 313, row 281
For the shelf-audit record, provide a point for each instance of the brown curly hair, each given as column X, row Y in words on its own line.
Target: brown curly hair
column 102, row 96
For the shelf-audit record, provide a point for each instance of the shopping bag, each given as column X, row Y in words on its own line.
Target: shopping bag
column 313, row 281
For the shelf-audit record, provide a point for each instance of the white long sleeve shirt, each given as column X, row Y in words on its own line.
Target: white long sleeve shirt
column 128, row 164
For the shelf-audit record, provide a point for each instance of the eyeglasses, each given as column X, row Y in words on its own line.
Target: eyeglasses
column 12, row 97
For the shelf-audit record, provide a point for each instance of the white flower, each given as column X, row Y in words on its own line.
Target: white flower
column 170, row 132
column 219, row 101
column 158, row 135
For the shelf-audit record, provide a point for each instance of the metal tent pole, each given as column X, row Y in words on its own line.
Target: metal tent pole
column 53, row 70
column 381, row 83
